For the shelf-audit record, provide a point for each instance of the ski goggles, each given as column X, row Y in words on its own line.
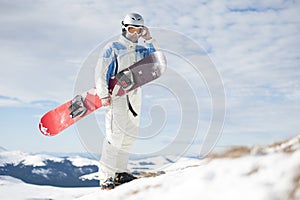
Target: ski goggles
column 134, row 29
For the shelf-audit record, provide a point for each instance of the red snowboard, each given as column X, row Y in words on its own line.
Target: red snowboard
column 142, row 72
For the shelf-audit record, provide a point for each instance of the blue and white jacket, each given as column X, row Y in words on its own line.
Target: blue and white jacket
column 117, row 56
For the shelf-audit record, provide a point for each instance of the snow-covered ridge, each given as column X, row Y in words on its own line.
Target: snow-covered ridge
column 43, row 169
column 286, row 146
column 35, row 160
column 17, row 157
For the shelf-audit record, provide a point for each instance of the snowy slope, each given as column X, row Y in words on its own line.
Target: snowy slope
column 258, row 173
column 14, row 189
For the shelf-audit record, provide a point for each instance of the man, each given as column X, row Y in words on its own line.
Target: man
column 123, row 113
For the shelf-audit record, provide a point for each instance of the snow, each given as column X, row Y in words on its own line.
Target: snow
column 12, row 188
column 152, row 163
column 38, row 160
column 16, row 157
column 91, row 176
column 269, row 176
column 289, row 145
column 80, row 161
column 43, row 172
column 249, row 177
column 11, row 157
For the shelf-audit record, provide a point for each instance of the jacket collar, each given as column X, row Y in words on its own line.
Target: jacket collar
column 127, row 42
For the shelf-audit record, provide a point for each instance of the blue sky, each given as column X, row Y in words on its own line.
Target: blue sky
column 255, row 46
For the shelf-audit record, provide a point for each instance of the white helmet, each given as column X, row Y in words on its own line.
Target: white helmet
column 134, row 19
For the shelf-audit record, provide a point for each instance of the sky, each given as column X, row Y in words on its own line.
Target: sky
column 254, row 46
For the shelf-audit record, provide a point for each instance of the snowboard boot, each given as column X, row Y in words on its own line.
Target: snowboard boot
column 108, row 184
column 123, row 177
column 119, row 179
column 77, row 107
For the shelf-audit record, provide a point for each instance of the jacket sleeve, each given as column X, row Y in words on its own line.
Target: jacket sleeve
column 105, row 69
column 151, row 46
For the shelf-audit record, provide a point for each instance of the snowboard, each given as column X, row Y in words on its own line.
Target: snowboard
column 127, row 80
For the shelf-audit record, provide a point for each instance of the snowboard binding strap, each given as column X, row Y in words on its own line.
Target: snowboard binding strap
column 125, row 78
column 77, row 107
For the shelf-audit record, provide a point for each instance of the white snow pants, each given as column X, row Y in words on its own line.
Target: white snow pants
column 121, row 133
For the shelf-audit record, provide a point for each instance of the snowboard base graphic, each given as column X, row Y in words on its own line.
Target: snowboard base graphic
column 137, row 75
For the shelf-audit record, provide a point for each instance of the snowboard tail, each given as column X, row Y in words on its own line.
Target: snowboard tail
column 59, row 118
column 137, row 75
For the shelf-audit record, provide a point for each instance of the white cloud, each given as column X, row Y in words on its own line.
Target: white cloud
column 255, row 46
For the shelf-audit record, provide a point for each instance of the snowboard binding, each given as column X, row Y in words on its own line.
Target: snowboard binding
column 77, row 107
column 125, row 78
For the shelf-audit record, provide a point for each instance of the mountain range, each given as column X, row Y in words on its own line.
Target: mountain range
column 73, row 171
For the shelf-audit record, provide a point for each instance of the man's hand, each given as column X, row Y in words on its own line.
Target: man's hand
column 146, row 33
column 106, row 101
